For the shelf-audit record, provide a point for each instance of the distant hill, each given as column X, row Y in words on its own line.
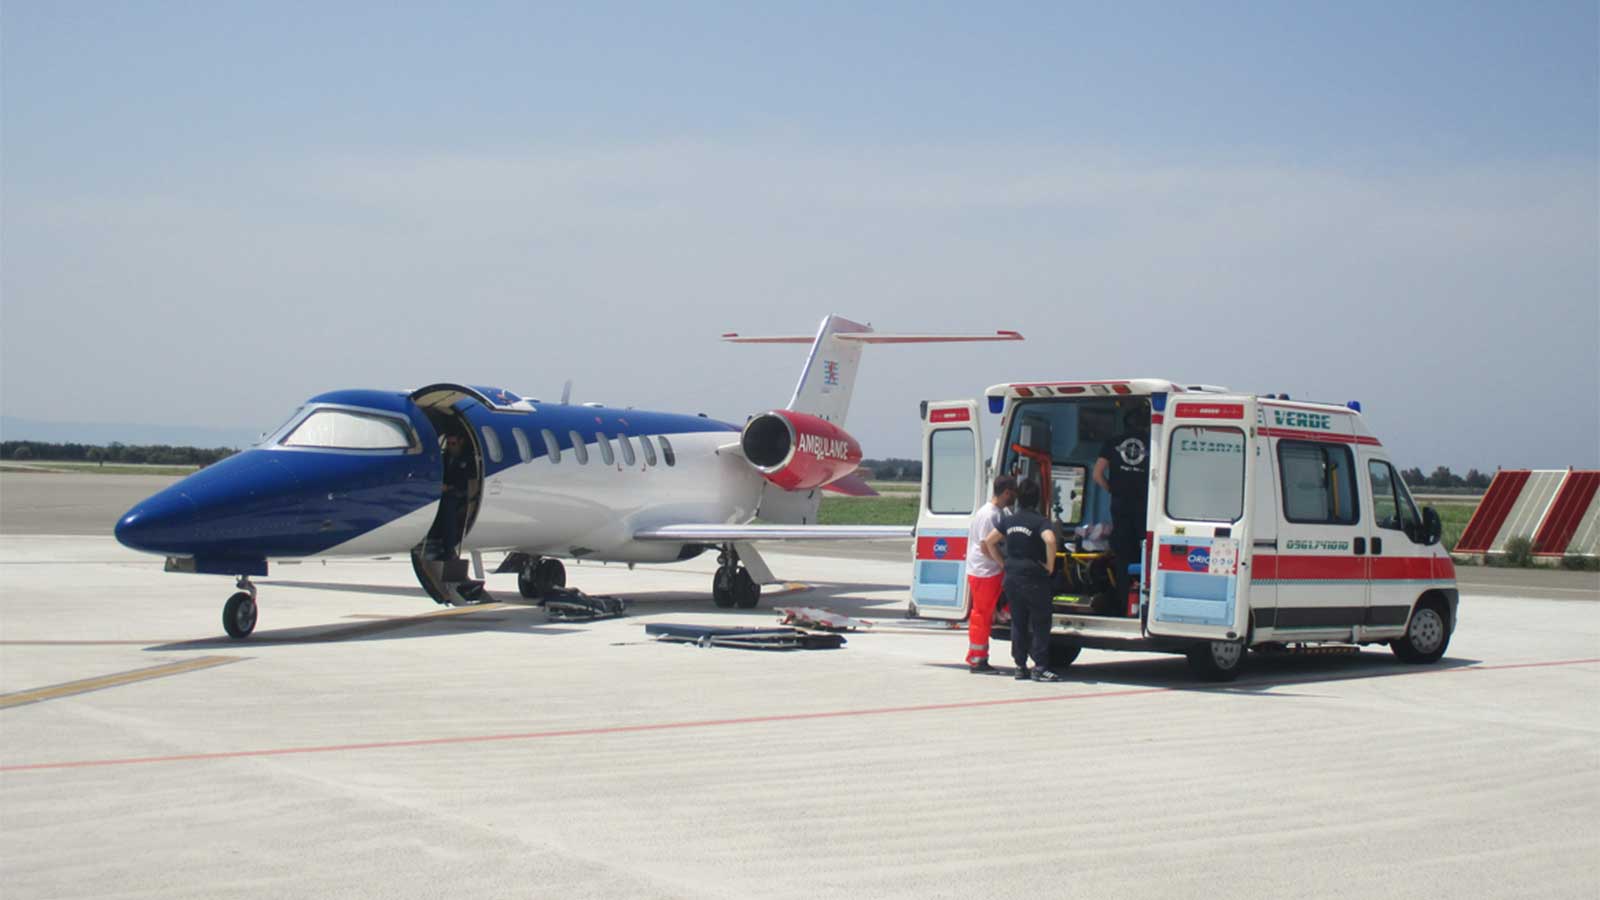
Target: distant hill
column 103, row 433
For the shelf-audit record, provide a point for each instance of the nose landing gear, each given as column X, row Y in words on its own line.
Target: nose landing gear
column 732, row 586
column 239, row 613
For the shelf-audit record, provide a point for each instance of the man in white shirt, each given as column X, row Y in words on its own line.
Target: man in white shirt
column 984, row 575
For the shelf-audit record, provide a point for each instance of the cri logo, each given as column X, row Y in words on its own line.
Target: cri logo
column 940, row 548
column 830, row 372
column 1199, row 559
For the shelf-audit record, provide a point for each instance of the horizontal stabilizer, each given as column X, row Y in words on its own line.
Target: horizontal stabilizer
column 722, row 534
column 851, row 485
column 874, row 337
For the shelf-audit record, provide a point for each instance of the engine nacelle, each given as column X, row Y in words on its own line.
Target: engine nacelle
column 796, row 451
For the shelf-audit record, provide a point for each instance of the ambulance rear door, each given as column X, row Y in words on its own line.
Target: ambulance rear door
column 952, row 490
column 1200, row 515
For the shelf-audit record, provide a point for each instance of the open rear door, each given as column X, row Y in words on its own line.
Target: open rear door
column 1201, row 502
column 952, row 490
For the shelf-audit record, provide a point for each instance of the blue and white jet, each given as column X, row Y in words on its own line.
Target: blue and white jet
column 360, row 473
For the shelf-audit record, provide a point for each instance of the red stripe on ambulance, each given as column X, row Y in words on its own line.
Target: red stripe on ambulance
column 948, row 415
column 1208, row 411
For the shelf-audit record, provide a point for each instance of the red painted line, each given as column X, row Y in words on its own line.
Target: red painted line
column 1323, row 436
column 1492, row 511
column 714, row 723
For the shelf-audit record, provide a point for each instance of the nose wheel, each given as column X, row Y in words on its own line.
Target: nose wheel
column 732, row 586
column 239, row 613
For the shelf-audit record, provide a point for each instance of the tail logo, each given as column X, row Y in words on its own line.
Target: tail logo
column 830, row 373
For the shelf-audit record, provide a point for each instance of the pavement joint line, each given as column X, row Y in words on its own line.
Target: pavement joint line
column 132, row 676
column 717, row 723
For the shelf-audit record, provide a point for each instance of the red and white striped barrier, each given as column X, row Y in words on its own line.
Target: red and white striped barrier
column 1558, row 509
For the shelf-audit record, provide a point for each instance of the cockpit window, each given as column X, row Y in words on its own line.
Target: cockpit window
column 339, row 429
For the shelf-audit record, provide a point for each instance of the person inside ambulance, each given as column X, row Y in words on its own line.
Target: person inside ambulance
column 1123, row 471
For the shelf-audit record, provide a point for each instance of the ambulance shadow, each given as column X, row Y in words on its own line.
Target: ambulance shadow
column 1262, row 673
column 491, row 618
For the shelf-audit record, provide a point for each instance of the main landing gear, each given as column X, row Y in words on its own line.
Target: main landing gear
column 239, row 613
column 540, row 576
column 732, row 585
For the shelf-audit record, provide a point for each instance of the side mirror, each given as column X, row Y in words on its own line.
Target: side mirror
column 1432, row 527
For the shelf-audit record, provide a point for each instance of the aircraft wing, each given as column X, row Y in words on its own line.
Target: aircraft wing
column 723, row 534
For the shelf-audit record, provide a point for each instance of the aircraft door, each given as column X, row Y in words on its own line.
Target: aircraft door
column 953, row 487
column 1202, row 501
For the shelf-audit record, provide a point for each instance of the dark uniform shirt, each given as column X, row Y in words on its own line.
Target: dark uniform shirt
column 1023, row 545
column 459, row 471
column 1128, row 469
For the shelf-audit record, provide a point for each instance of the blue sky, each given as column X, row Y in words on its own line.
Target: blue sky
column 212, row 211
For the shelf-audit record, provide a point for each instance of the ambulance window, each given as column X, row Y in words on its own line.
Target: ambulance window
column 604, row 443
column 1318, row 483
column 952, row 460
column 336, row 429
column 648, row 448
column 552, row 446
column 1205, row 474
column 1391, row 504
column 627, row 449
column 666, row 451
column 524, row 449
column 491, row 441
column 579, row 447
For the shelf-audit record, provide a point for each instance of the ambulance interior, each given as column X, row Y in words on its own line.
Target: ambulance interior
column 1056, row 442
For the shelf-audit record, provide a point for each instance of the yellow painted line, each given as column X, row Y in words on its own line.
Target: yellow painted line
column 57, row 691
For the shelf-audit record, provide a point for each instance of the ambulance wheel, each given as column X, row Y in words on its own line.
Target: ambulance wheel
column 1062, row 653
column 722, row 588
column 1427, row 634
column 746, row 593
column 239, row 615
column 1217, row 660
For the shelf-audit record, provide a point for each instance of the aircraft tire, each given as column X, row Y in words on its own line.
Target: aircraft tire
column 239, row 615
column 722, row 588
column 746, row 593
column 528, row 582
column 550, row 575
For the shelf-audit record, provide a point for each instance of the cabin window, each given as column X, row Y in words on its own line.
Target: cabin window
column 524, row 449
column 551, row 445
column 1391, row 502
column 627, row 449
column 1319, row 486
column 952, row 462
column 648, row 448
column 667, row 455
column 579, row 448
column 604, row 443
column 491, row 443
column 1205, row 474
column 338, row 429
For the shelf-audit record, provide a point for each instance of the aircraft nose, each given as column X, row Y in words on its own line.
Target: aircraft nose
column 159, row 524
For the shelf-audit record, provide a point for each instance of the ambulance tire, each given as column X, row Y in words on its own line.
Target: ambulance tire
column 1217, row 660
column 1062, row 653
column 1427, row 634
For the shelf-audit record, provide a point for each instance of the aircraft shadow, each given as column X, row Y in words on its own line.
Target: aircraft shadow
column 1261, row 674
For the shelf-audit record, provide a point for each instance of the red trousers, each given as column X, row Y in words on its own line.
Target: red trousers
column 982, row 594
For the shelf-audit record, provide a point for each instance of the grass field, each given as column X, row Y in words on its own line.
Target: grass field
column 49, row 467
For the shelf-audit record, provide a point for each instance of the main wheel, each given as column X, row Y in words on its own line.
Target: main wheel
column 1217, row 660
column 550, row 575
column 722, row 588
column 746, row 593
column 1063, row 652
column 528, row 581
column 239, row 615
column 1427, row 634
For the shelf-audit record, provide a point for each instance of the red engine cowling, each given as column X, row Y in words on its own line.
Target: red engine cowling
column 798, row 452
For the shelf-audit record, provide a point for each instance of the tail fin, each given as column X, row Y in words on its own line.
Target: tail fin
column 829, row 375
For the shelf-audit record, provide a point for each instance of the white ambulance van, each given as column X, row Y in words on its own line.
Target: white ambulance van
column 1269, row 523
